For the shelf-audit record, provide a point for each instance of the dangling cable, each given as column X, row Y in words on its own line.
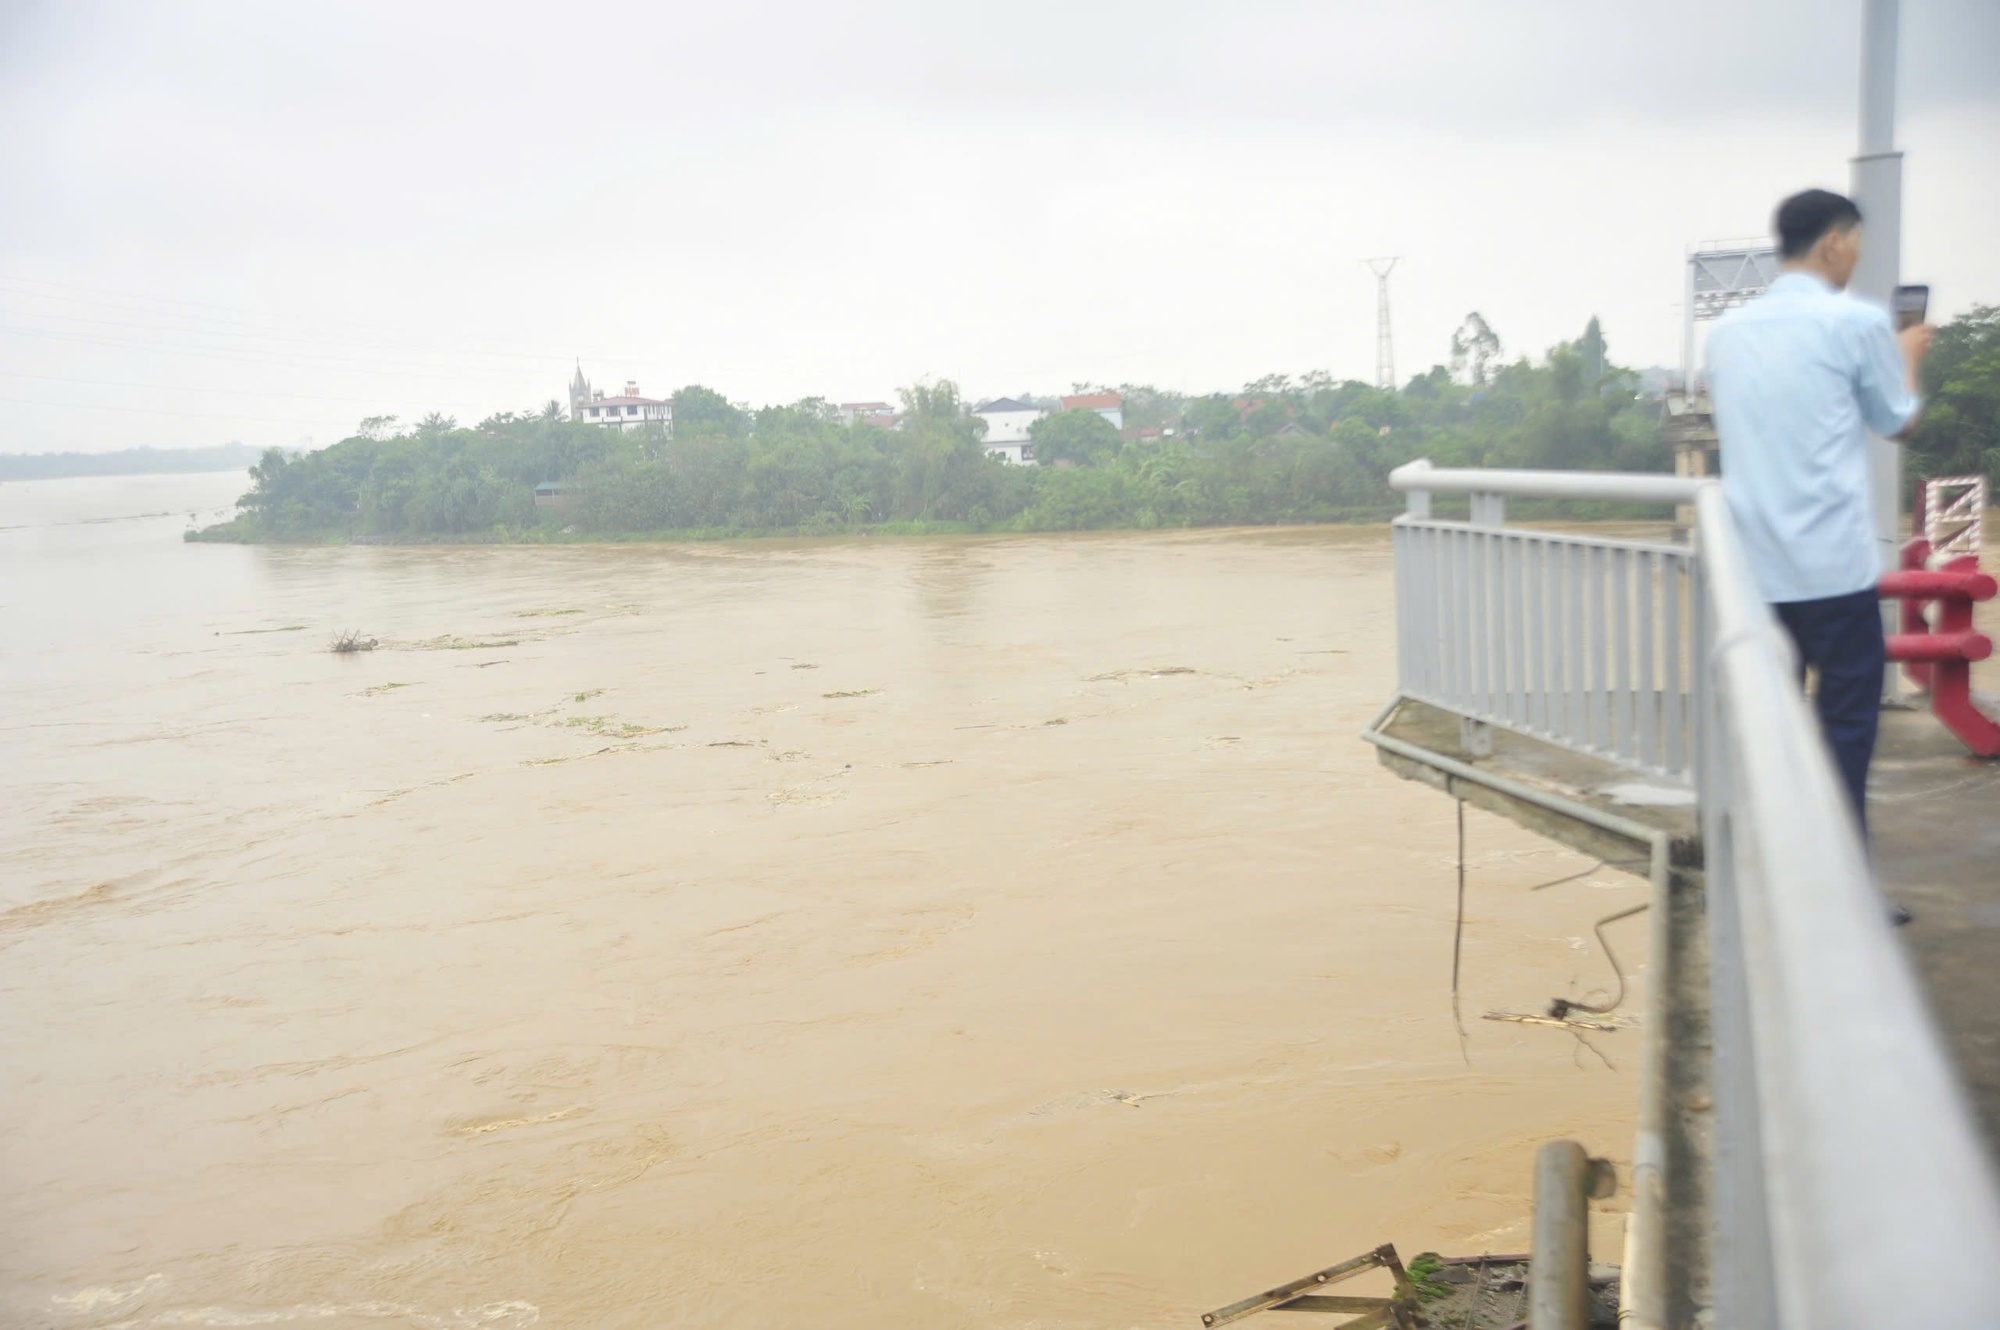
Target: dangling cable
column 1601, row 863
column 1560, row 1008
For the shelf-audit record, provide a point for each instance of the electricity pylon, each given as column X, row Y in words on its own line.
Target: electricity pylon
column 1385, row 346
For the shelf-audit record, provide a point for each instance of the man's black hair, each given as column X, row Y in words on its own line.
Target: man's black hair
column 1805, row 217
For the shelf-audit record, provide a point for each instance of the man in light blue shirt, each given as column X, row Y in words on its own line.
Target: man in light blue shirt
column 1798, row 377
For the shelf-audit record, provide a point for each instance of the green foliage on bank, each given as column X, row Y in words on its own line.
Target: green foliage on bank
column 1281, row 450
column 1959, row 434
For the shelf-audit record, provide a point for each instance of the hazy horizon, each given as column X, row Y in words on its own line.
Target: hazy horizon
column 228, row 222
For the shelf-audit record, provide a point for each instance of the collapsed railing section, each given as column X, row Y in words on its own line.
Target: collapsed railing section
column 1843, row 1141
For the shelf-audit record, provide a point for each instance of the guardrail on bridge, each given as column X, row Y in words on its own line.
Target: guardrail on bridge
column 1850, row 1186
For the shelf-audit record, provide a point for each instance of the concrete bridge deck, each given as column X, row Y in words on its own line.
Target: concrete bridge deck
column 1934, row 813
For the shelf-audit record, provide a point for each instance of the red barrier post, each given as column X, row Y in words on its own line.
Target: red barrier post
column 1939, row 657
column 1916, row 558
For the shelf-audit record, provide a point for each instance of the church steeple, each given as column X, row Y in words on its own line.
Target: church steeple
column 579, row 393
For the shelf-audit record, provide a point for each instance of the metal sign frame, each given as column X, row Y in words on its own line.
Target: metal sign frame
column 1720, row 276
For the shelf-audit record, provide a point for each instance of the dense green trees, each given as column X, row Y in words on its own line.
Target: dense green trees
column 1281, row 450
column 435, row 480
column 1959, row 434
column 1076, row 436
column 1475, row 346
column 702, row 410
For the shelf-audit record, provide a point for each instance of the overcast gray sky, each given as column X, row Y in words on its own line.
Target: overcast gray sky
column 263, row 222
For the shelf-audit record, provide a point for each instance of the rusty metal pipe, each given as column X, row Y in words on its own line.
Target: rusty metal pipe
column 1559, row 1270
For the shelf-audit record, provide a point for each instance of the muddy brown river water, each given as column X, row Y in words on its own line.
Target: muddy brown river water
column 947, row 932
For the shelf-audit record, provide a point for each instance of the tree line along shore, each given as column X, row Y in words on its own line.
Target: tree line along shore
column 1279, row 451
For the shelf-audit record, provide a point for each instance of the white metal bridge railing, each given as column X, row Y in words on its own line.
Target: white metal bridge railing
column 1570, row 638
column 1849, row 1178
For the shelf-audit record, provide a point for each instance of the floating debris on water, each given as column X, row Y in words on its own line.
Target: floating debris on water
column 1564, row 1023
column 608, row 726
column 450, row 643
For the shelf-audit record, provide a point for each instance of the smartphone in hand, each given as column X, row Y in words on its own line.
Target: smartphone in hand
column 1909, row 305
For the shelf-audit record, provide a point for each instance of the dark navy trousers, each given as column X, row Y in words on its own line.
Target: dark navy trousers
column 1841, row 636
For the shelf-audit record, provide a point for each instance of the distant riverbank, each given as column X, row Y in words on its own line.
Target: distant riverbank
column 245, row 530
column 241, row 533
column 1277, row 454
column 128, row 462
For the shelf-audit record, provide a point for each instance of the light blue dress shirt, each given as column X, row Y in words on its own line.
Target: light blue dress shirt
column 1798, row 377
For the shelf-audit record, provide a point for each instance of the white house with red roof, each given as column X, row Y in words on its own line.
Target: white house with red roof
column 1007, row 422
column 1109, row 405
column 626, row 410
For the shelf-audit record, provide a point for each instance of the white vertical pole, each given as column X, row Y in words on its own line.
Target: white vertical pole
column 1878, row 76
column 1687, row 336
column 1878, row 190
